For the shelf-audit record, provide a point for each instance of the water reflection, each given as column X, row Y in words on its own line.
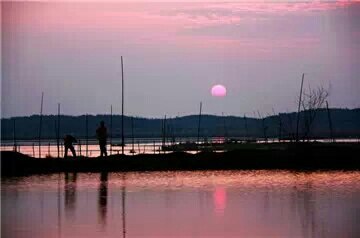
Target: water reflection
column 103, row 197
column 103, row 201
column 220, row 200
column 183, row 204
column 59, row 206
column 123, row 193
column 306, row 210
column 70, row 194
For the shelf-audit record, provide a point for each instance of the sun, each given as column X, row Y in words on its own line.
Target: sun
column 218, row 91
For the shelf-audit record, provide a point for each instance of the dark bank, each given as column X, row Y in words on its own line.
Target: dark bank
column 301, row 156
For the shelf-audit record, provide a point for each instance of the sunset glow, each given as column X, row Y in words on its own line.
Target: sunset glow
column 191, row 118
column 173, row 45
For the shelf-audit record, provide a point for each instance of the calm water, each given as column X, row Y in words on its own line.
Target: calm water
column 183, row 204
column 140, row 146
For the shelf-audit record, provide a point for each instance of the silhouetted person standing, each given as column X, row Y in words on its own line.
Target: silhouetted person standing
column 68, row 143
column 101, row 133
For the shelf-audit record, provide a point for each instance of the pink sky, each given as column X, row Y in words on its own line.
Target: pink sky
column 236, row 44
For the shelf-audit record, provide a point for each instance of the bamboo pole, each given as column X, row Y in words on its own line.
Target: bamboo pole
column 161, row 135
column 298, row 114
column 170, row 131
column 199, row 124
column 40, row 126
column 176, row 130
column 55, row 131
column 330, row 122
column 280, row 128
column 164, row 132
column 58, row 132
column 14, row 131
column 111, row 125
column 87, row 134
column 132, row 135
column 122, row 107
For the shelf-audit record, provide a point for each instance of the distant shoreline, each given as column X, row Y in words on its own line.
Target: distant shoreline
column 304, row 157
column 345, row 123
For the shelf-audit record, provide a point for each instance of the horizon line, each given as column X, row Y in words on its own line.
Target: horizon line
column 185, row 115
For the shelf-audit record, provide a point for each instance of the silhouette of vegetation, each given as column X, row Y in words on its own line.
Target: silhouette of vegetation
column 312, row 101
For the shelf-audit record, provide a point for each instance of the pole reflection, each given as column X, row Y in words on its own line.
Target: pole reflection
column 123, row 195
column 59, row 206
column 306, row 210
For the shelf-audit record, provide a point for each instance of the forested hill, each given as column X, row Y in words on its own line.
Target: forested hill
column 345, row 123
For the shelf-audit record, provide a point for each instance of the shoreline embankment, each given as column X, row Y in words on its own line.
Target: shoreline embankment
column 302, row 157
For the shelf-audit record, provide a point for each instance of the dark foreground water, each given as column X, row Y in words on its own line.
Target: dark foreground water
column 183, row 204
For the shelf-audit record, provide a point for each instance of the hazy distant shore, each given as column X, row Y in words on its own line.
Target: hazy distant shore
column 345, row 124
column 300, row 157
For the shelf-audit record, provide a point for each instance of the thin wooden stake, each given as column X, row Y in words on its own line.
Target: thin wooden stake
column 280, row 128
column 199, row 124
column 164, row 131
column 132, row 135
column 87, row 134
column 111, row 130
column 58, row 132
column 122, row 107
column 40, row 126
column 330, row 122
column 298, row 114
column 14, row 131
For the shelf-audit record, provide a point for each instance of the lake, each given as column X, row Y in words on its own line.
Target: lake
column 49, row 148
column 182, row 204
